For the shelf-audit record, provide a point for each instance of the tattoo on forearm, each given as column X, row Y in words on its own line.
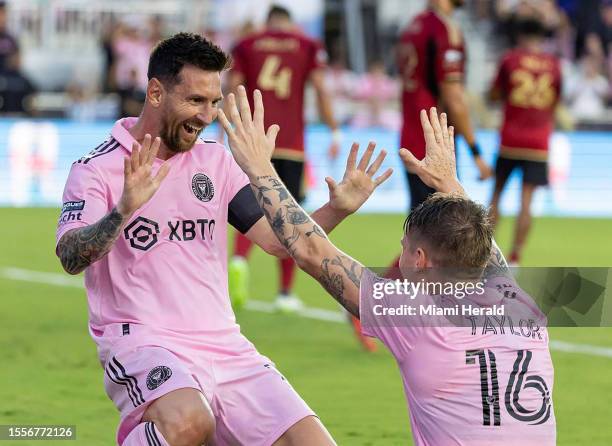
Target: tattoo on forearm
column 333, row 282
column 353, row 271
column 316, row 231
column 285, row 217
column 79, row 248
column 296, row 215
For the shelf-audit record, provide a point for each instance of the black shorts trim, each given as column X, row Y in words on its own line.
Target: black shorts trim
column 534, row 172
column 419, row 191
column 117, row 374
column 291, row 174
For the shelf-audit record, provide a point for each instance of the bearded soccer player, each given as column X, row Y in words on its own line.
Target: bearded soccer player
column 528, row 82
column 280, row 61
column 475, row 385
column 145, row 215
column 431, row 60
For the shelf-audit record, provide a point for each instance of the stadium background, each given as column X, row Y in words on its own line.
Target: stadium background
column 50, row 374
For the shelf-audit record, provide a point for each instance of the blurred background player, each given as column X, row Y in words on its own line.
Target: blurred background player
column 529, row 84
column 431, row 60
column 279, row 61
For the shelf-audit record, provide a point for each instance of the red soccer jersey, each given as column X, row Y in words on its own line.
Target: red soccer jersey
column 431, row 51
column 530, row 84
column 279, row 64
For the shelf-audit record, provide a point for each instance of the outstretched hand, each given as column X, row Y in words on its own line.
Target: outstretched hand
column 250, row 144
column 438, row 169
column 358, row 182
column 139, row 184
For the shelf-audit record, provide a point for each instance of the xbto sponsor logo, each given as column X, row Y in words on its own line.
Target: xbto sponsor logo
column 185, row 230
column 142, row 233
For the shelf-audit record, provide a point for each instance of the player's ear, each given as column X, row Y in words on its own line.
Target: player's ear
column 155, row 92
column 421, row 259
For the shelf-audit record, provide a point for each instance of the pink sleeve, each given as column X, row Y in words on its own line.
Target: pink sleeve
column 399, row 334
column 84, row 200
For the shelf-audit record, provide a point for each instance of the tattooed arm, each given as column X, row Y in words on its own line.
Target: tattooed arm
column 80, row 247
column 306, row 242
column 304, row 239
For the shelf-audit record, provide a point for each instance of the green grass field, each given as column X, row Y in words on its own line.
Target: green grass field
column 50, row 373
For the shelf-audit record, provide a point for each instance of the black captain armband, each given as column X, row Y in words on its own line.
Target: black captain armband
column 475, row 149
column 243, row 210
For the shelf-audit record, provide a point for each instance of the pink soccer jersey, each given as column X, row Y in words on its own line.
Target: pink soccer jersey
column 168, row 268
column 486, row 383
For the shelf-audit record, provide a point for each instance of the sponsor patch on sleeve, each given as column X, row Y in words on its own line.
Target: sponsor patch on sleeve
column 452, row 57
column 321, row 56
column 73, row 206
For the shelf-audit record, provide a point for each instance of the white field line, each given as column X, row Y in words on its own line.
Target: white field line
column 581, row 348
column 320, row 314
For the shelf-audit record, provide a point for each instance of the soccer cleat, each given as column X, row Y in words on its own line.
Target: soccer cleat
column 366, row 342
column 238, row 277
column 288, row 303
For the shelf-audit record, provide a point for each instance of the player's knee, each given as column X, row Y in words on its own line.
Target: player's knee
column 187, row 427
column 183, row 417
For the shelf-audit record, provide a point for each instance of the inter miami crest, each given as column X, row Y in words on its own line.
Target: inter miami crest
column 202, row 187
column 158, row 376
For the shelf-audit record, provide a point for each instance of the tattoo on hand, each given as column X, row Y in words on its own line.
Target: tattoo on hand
column 79, row 248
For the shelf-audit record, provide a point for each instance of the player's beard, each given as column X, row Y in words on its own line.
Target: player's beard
column 175, row 137
column 458, row 3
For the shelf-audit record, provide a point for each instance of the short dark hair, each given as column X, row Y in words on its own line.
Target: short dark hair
column 278, row 11
column 531, row 27
column 170, row 56
column 456, row 229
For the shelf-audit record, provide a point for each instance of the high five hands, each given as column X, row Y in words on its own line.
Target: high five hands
column 252, row 147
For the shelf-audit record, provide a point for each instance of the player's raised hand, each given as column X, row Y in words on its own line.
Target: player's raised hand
column 250, row 144
column 358, row 182
column 139, row 183
column 438, row 169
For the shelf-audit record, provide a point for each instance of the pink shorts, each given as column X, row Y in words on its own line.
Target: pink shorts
column 252, row 402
